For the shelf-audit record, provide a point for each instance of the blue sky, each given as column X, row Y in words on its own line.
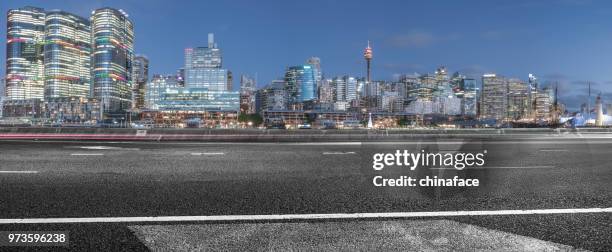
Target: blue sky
column 564, row 41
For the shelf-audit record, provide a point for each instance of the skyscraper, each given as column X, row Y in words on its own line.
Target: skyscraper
column 140, row 75
column 203, row 67
column 315, row 62
column 67, row 55
column 300, row 83
column 493, row 103
column 345, row 87
column 24, row 53
column 247, row 94
column 113, row 50
column 518, row 99
column 470, row 97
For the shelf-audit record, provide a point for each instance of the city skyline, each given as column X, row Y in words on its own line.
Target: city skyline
column 265, row 51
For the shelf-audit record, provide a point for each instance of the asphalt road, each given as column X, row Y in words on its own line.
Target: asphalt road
column 116, row 179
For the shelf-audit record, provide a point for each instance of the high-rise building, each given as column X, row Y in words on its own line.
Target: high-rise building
column 24, row 53
column 205, row 90
column 518, row 99
column 140, row 75
column 230, row 81
column 203, row 67
column 493, row 98
column 67, row 55
column 247, row 94
column 315, row 62
column 326, row 91
column 543, row 104
column 345, row 88
column 470, row 97
column 113, row 56
column 300, row 83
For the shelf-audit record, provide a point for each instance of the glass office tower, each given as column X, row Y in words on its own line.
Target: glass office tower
column 24, row 53
column 140, row 76
column 203, row 67
column 67, row 55
column 300, row 83
column 113, row 46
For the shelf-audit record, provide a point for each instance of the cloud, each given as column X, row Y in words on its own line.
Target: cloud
column 412, row 39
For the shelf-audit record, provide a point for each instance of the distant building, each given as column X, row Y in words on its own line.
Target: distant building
column 326, row 92
column 315, row 62
column 204, row 93
column 156, row 88
column 273, row 97
column 203, row 67
column 247, row 94
column 494, row 100
column 140, row 75
column 470, row 97
column 300, row 83
column 543, row 103
column 518, row 100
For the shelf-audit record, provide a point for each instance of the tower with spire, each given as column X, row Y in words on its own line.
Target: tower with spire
column 367, row 54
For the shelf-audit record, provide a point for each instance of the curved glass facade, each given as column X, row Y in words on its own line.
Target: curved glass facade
column 113, row 53
column 67, row 55
column 24, row 53
column 301, row 83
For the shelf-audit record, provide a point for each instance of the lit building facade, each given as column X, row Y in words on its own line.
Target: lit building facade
column 204, row 92
column 67, row 56
column 140, row 76
column 494, row 100
column 203, row 67
column 247, row 94
column 113, row 56
column 518, row 99
column 156, row 87
column 24, row 53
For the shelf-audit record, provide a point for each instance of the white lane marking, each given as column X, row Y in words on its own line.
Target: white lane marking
column 552, row 150
column 18, row 171
column 87, row 154
column 498, row 167
column 304, row 216
column 207, row 153
column 339, row 153
column 99, row 147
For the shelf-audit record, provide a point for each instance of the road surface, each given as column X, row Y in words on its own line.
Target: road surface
column 84, row 179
